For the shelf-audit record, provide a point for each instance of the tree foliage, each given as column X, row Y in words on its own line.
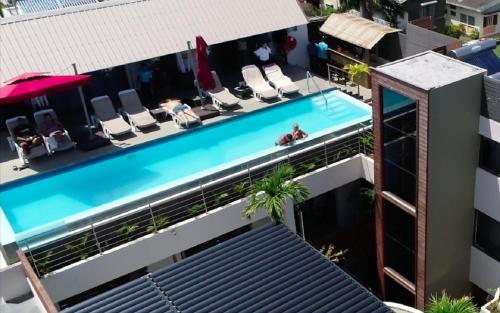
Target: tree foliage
column 271, row 192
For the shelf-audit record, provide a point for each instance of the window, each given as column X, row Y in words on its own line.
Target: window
column 490, row 20
column 399, row 145
column 453, row 13
column 489, row 157
column 487, row 235
column 471, row 20
column 466, row 19
column 396, row 293
column 399, row 241
column 428, row 10
column 463, row 18
column 453, row 7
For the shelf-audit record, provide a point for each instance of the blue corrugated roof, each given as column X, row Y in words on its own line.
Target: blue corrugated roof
column 138, row 296
column 269, row 269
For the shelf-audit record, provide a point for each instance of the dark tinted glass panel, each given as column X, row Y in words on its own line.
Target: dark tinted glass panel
column 490, row 156
column 396, row 293
column 399, row 136
column 399, row 241
column 487, row 235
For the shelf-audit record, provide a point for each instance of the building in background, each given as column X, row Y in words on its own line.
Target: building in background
column 475, row 15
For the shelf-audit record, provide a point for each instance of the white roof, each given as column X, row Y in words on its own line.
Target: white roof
column 429, row 70
column 118, row 32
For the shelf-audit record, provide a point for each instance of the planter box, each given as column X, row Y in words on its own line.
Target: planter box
column 484, row 308
column 400, row 308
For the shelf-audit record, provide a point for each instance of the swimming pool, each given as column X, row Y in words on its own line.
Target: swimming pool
column 31, row 203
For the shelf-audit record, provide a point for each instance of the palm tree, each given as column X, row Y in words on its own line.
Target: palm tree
column 271, row 192
column 445, row 304
column 355, row 70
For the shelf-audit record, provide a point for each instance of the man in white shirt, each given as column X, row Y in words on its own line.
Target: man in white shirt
column 263, row 54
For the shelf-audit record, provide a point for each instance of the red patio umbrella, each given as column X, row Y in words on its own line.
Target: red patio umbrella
column 204, row 76
column 28, row 87
column 24, row 76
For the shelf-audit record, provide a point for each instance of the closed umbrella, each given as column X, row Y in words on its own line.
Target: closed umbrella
column 205, row 79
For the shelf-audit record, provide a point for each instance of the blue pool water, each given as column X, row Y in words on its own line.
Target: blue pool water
column 54, row 197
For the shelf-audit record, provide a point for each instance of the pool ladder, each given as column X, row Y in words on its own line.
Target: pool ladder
column 309, row 76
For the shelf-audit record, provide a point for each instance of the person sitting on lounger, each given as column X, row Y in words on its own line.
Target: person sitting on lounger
column 284, row 140
column 298, row 133
column 26, row 136
column 52, row 128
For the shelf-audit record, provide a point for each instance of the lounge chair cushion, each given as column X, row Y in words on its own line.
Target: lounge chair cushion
column 253, row 78
column 142, row 119
column 117, row 126
column 103, row 108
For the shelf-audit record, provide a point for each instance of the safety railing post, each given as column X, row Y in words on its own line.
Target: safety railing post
column 33, row 259
column 203, row 197
column 326, row 154
column 96, row 240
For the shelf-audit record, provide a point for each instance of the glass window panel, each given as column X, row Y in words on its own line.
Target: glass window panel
column 487, row 235
column 399, row 241
column 399, row 136
column 489, row 159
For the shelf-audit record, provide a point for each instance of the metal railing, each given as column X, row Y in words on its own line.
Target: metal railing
column 310, row 77
column 156, row 213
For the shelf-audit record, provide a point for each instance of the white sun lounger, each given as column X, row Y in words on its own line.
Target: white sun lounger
column 260, row 88
column 220, row 95
column 52, row 144
column 137, row 115
column 181, row 114
column 36, row 152
column 111, row 122
column 278, row 80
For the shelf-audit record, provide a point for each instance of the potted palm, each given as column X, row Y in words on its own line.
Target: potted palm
column 271, row 193
column 356, row 70
column 494, row 305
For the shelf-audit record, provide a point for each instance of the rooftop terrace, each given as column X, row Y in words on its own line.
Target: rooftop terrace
column 429, row 70
column 8, row 158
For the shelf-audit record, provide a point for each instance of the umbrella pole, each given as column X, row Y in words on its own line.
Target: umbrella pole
column 82, row 99
column 193, row 67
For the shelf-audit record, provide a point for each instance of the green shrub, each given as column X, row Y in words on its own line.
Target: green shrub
column 445, row 304
column 474, row 34
column 454, row 30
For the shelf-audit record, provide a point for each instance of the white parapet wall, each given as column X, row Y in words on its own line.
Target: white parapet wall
column 489, row 128
column 154, row 248
column 484, row 271
column 487, row 194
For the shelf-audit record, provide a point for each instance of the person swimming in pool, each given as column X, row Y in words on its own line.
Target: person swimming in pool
column 284, row 140
column 298, row 133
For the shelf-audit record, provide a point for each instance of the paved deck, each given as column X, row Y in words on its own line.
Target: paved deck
column 8, row 159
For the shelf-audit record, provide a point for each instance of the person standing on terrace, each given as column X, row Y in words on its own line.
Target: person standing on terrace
column 263, row 54
column 146, row 81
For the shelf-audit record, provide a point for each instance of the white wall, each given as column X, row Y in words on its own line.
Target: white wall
column 299, row 56
column 13, row 282
column 487, row 194
column 489, row 128
column 182, row 236
column 484, row 270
